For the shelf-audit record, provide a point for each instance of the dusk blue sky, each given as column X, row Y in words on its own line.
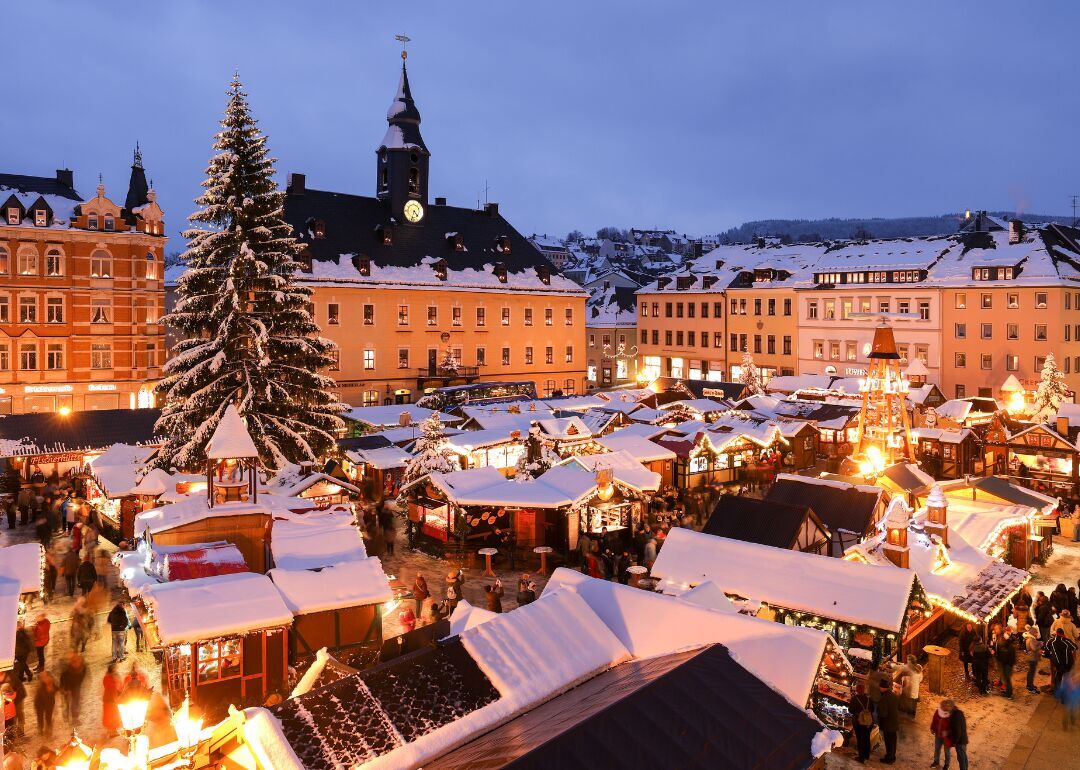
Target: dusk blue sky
column 690, row 115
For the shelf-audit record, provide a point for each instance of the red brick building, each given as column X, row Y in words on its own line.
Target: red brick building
column 81, row 295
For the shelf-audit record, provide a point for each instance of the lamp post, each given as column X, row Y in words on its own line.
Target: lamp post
column 75, row 755
column 132, row 705
column 188, row 723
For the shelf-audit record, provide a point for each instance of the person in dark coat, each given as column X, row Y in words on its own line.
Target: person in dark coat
column 958, row 728
column 70, row 566
column 980, row 665
column 118, row 624
column 1006, row 659
column 71, row 681
column 526, row 594
column 24, row 646
column 493, row 599
column 888, row 716
column 967, row 637
column 43, row 533
column 862, row 721
column 1061, row 650
column 1044, row 615
column 51, row 574
column 86, row 576
column 45, row 703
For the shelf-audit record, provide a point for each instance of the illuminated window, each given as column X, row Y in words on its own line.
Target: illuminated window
column 219, row 660
column 28, row 263
column 403, row 358
column 54, row 263
column 54, row 356
column 369, row 359
column 100, row 265
column 100, row 310
column 54, row 310
column 333, row 313
column 101, row 355
column 403, row 315
column 28, row 356
column 28, row 310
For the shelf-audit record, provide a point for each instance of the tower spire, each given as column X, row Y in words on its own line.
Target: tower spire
column 137, row 161
column 137, row 186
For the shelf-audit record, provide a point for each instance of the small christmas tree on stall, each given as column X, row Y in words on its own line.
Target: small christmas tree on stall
column 249, row 339
column 749, row 375
column 1052, row 390
column 431, row 454
column 536, row 459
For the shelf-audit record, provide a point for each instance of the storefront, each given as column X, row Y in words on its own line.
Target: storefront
column 1037, row 457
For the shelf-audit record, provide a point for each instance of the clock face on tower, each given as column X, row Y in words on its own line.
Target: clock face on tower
column 413, row 211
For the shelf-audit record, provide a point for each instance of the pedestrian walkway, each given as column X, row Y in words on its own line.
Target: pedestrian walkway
column 1045, row 744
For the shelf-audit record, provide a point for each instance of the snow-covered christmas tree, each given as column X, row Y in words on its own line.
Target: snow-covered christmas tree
column 536, row 459
column 449, row 361
column 249, row 339
column 431, row 453
column 749, row 374
column 1052, row 390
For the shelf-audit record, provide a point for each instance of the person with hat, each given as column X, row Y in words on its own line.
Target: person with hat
column 888, row 717
column 1065, row 623
column 1033, row 647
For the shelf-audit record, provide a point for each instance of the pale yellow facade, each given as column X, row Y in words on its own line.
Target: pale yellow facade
column 993, row 332
column 681, row 334
column 392, row 341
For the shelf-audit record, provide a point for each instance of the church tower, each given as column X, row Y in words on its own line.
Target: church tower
column 402, row 162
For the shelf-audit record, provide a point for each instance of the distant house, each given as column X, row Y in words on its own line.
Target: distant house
column 795, row 527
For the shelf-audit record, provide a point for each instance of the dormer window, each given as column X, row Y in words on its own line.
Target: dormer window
column 92, row 222
column 500, row 272
column 662, row 283
column 684, row 282
column 708, row 281
column 110, row 224
column 385, row 233
column 362, row 265
column 440, row 269
column 502, row 243
column 316, row 228
column 455, row 241
column 13, row 217
column 543, row 272
column 41, row 217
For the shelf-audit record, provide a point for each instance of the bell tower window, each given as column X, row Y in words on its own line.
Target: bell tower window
column 414, row 180
column 384, row 178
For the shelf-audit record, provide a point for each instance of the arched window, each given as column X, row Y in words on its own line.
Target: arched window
column 414, row 180
column 384, row 179
column 54, row 262
column 151, row 266
column 92, row 222
column 110, row 224
column 100, row 264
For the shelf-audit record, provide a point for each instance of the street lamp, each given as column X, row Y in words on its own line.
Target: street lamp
column 75, row 755
column 132, row 705
column 188, row 723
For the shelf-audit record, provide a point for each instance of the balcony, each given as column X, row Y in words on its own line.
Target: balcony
column 435, row 376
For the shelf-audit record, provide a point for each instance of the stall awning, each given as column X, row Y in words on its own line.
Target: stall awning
column 217, row 559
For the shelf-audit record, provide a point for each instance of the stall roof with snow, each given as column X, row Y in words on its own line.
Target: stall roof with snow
column 640, row 448
column 349, row 584
column 793, row 580
column 391, row 416
column 35, row 433
column 231, row 439
column 316, row 539
column 241, row 603
column 839, row 505
column 22, row 563
column 726, row 717
column 9, row 621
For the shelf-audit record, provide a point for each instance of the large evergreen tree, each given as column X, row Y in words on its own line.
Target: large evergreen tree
column 1052, row 390
column 248, row 336
column 749, row 374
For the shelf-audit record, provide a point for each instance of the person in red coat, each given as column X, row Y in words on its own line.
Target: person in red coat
column 41, row 639
column 110, row 712
column 408, row 619
column 941, row 727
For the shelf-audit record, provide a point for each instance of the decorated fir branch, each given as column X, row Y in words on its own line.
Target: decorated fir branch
column 249, row 337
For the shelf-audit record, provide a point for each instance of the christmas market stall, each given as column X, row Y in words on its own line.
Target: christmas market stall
column 374, row 464
column 304, row 482
column 881, row 612
column 338, row 607
column 738, row 446
column 1042, row 457
column 56, row 444
column 849, row 511
column 659, row 459
column 23, row 565
column 960, row 579
column 947, row 453
column 110, row 487
column 235, row 654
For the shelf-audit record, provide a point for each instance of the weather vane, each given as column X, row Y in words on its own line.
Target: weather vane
column 404, row 40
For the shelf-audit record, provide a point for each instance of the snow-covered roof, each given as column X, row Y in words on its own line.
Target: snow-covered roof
column 316, row 539
column 241, row 603
column 980, row 521
column 9, row 620
column 231, row 438
column 292, row 481
column 466, row 616
column 787, row 658
column 791, row 579
column 390, row 416
column 710, row 596
column 349, row 584
column 63, row 207
column 700, row 405
column 625, row 469
column 191, row 509
column 21, row 563
column 117, row 469
column 380, row 458
column 641, row 449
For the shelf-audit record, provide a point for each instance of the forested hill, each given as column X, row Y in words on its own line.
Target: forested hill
column 835, row 228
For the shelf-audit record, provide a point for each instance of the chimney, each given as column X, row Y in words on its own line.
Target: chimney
column 66, row 176
column 491, row 209
column 1063, row 426
column 306, row 468
column 296, row 184
column 1016, row 231
column 440, row 201
column 937, row 514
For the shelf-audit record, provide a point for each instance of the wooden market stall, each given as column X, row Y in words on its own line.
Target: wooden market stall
column 947, row 453
column 337, row 607
column 874, row 610
column 235, row 654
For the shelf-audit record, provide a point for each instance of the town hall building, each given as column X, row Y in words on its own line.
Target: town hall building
column 418, row 294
